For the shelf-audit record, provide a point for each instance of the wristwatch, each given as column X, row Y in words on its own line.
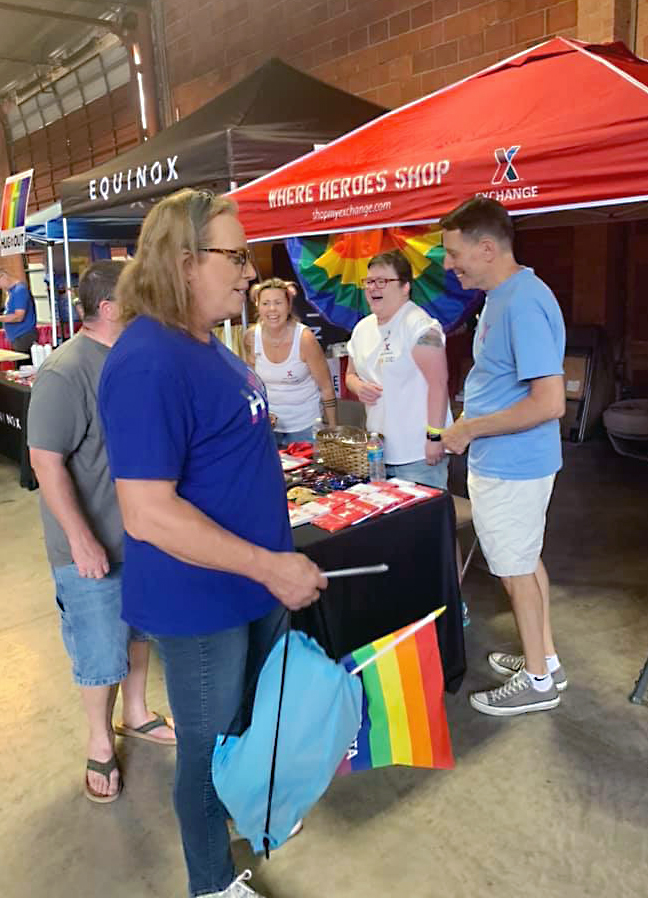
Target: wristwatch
column 433, row 437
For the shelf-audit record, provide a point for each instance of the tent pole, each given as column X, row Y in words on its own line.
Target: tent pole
column 227, row 332
column 68, row 279
column 244, row 317
column 227, row 324
column 52, row 294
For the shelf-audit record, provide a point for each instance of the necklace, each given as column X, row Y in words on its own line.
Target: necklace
column 274, row 341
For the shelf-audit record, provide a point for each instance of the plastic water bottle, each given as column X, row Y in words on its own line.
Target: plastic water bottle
column 376, row 457
column 317, row 456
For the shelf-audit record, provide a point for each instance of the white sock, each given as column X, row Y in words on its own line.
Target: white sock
column 541, row 684
column 552, row 663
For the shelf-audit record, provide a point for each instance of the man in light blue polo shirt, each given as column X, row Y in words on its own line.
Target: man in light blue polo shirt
column 514, row 397
column 19, row 317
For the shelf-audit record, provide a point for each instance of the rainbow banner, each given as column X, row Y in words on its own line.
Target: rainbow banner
column 331, row 269
column 403, row 714
column 13, row 213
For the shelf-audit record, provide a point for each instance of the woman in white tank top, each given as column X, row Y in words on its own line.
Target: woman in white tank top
column 290, row 362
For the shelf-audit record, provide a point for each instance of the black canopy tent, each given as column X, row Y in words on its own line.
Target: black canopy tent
column 271, row 117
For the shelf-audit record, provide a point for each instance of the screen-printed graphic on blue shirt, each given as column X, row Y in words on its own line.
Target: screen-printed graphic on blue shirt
column 177, row 409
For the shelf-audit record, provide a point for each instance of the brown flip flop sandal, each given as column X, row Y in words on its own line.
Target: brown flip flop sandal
column 105, row 768
column 146, row 730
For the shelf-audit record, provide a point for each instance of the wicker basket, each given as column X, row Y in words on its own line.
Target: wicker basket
column 344, row 448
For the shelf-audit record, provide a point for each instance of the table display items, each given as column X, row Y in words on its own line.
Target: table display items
column 345, row 506
column 40, row 353
column 344, row 448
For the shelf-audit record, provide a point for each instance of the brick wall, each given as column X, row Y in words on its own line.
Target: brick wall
column 78, row 141
column 642, row 30
column 389, row 51
column 606, row 20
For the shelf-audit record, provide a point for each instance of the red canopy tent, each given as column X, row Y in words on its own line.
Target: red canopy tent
column 563, row 125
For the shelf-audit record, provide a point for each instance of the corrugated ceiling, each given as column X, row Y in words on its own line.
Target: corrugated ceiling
column 38, row 37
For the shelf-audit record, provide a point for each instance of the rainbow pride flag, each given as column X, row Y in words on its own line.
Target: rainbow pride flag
column 331, row 269
column 14, row 200
column 13, row 212
column 403, row 715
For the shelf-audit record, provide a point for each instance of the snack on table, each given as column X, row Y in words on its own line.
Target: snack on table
column 300, row 495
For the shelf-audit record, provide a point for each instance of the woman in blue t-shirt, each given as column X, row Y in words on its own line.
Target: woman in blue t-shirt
column 209, row 562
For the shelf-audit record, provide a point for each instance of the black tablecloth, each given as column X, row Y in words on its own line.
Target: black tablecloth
column 418, row 544
column 14, row 403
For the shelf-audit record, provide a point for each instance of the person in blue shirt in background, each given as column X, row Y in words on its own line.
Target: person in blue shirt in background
column 514, row 396
column 209, row 565
column 19, row 317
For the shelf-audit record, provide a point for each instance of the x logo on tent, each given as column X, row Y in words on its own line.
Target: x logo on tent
column 505, row 169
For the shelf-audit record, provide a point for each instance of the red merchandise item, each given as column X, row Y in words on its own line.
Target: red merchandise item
column 300, row 450
column 342, row 495
column 350, row 513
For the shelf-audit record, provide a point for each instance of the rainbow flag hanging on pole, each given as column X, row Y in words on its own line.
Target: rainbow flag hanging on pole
column 403, row 714
column 15, row 198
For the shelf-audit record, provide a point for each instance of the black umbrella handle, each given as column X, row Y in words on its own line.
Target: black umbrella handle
column 273, row 766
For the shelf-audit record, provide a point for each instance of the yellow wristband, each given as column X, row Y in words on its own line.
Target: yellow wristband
column 434, row 429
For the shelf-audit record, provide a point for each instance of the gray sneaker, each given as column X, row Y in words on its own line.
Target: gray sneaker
column 516, row 696
column 507, row 665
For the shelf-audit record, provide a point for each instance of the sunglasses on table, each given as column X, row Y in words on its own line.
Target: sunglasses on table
column 239, row 257
column 380, row 283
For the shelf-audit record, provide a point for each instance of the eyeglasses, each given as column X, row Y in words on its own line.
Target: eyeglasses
column 380, row 283
column 241, row 257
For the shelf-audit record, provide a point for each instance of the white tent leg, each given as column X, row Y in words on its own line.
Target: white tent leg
column 228, row 322
column 68, row 278
column 52, row 293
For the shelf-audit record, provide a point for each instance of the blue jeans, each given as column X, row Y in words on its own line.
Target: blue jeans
column 95, row 636
column 421, row 472
column 206, row 678
column 296, row 436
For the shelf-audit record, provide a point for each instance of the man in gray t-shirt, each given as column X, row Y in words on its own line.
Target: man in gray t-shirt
column 84, row 534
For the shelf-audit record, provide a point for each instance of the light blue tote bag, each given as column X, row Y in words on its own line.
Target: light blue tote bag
column 307, row 711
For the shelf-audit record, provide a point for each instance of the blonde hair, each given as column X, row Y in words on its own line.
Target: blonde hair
column 290, row 288
column 154, row 282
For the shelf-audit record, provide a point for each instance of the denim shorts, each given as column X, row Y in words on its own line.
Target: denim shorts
column 421, row 472
column 95, row 636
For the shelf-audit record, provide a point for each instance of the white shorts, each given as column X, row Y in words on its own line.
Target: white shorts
column 509, row 518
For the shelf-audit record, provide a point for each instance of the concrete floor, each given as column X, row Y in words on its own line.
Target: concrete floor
column 554, row 804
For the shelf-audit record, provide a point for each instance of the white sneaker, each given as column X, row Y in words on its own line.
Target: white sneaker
column 238, row 889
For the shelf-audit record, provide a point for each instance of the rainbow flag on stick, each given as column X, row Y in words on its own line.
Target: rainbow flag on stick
column 13, row 213
column 404, row 719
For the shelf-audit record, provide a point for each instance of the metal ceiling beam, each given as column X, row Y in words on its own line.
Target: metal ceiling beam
column 125, row 4
column 64, row 16
column 32, row 62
